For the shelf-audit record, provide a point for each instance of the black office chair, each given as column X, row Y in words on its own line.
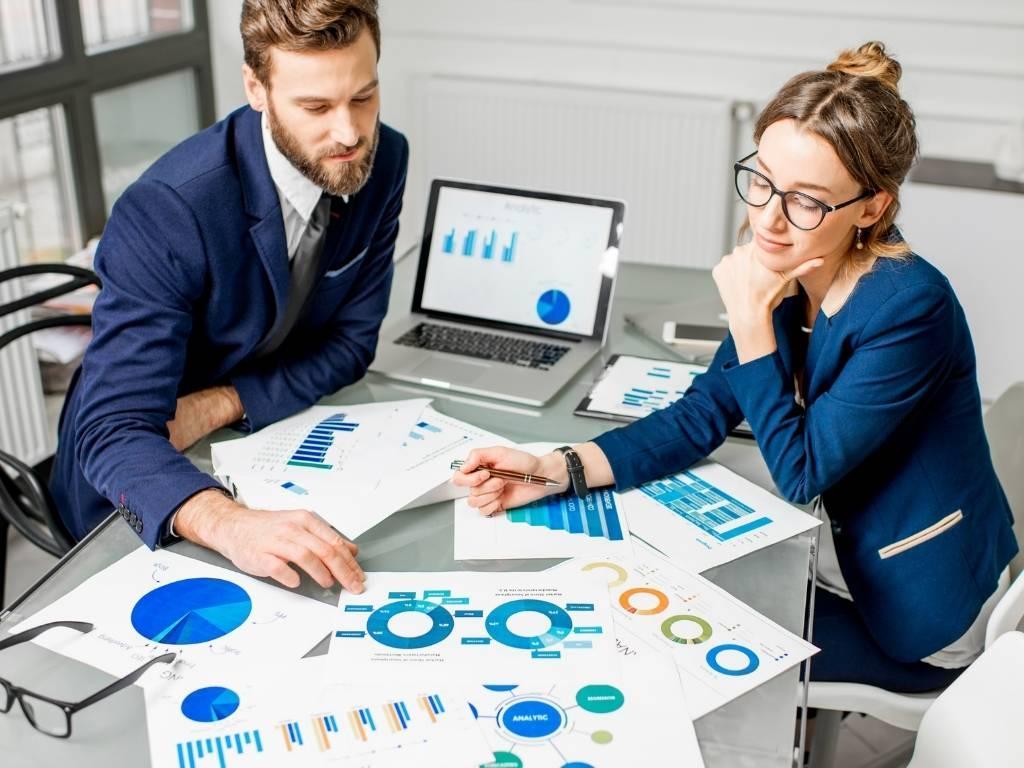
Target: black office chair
column 25, row 501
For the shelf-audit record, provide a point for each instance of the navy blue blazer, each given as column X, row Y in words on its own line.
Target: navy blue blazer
column 891, row 438
column 195, row 274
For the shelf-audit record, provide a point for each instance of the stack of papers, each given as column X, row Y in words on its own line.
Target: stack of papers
column 353, row 465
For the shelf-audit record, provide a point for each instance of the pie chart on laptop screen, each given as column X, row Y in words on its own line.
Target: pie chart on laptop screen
column 553, row 306
column 191, row 611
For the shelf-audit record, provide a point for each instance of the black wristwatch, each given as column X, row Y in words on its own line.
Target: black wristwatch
column 574, row 465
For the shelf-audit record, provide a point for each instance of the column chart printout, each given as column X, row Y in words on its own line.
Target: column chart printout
column 469, row 624
column 554, row 526
column 709, row 515
column 722, row 647
column 340, row 447
column 305, row 713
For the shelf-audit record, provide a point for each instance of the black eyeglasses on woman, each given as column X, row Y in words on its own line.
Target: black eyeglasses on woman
column 803, row 211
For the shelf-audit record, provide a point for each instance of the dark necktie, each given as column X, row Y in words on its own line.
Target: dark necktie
column 305, row 266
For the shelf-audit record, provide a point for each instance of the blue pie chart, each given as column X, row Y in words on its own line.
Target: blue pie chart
column 553, row 306
column 191, row 611
column 208, row 705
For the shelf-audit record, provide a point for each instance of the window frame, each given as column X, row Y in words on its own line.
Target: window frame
column 72, row 80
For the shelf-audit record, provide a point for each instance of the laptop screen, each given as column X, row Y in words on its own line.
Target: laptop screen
column 518, row 259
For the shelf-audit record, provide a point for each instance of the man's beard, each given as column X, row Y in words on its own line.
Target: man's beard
column 344, row 179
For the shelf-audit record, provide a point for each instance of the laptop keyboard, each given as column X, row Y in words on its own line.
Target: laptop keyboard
column 486, row 346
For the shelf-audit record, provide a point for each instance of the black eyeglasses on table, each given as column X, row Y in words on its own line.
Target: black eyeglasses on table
column 53, row 716
column 803, row 211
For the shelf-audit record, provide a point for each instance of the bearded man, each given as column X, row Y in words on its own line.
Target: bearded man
column 245, row 276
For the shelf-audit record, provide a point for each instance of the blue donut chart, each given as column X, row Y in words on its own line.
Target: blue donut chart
column 442, row 624
column 752, row 661
column 497, row 624
column 553, row 306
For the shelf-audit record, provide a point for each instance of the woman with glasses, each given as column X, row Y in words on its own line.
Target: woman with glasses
column 850, row 357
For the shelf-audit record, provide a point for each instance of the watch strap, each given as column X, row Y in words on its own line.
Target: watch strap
column 574, row 466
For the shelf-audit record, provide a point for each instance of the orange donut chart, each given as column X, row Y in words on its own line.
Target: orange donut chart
column 624, row 601
column 618, row 569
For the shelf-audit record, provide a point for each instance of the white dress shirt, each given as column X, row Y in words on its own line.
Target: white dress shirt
column 298, row 195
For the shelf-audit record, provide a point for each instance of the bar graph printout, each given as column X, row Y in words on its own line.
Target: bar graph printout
column 342, row 445
column 555, row 526
column 469, row 624
column 637, row 386
column 415, row 456
column 305, row 713
column 721, row 647
column 708, row 515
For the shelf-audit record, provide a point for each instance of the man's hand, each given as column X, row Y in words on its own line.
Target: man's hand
column 263, row 543
column 203, row 412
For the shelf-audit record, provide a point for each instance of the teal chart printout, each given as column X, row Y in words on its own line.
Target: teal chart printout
column 555, row 526
column 304, row 712
column 595, row 718
column 471, row 623
column 709, row 515
column 149, row 603
column 722, row 647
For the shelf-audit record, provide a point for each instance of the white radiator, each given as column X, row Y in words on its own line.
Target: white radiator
column 24, row 430
column 669, row 157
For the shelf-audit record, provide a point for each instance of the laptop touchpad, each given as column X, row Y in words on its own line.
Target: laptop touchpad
column 450, row 370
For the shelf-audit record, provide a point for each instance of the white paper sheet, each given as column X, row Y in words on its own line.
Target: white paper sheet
column 305, row 713
column 471, row 624
column 344, row 449
column 555, row 526
column 722, row 647
column 409, row 459
column 638, row 386
column 149, row 603
column 708, row 515
column 597, row 718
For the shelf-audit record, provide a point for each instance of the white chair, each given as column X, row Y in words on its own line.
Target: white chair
column 976, row 720
column 1004, row 427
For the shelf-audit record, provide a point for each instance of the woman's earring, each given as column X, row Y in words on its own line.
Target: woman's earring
column 860, row 245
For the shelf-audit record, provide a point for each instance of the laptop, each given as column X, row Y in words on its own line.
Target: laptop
column 513, row 292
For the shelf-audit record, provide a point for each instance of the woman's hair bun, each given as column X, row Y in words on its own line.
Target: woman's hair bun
column 870, row 60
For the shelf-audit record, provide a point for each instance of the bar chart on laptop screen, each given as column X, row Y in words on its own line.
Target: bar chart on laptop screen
column 546, row 255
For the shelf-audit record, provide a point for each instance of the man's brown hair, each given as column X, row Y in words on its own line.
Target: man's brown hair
column 303, row 25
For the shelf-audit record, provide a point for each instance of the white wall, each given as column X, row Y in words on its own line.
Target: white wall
column 963, row 75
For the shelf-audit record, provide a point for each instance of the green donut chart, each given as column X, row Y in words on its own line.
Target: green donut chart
column 668, row 624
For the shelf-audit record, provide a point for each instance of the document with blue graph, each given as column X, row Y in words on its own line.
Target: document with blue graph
column 708, row 515
column 354, row 465
column 471, row 624
column 633, row 387
column 555, row 526
column 337, row 444
column 153, row 602
column 306, row 713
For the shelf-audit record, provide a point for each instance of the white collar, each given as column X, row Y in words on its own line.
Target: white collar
column 301, row 193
